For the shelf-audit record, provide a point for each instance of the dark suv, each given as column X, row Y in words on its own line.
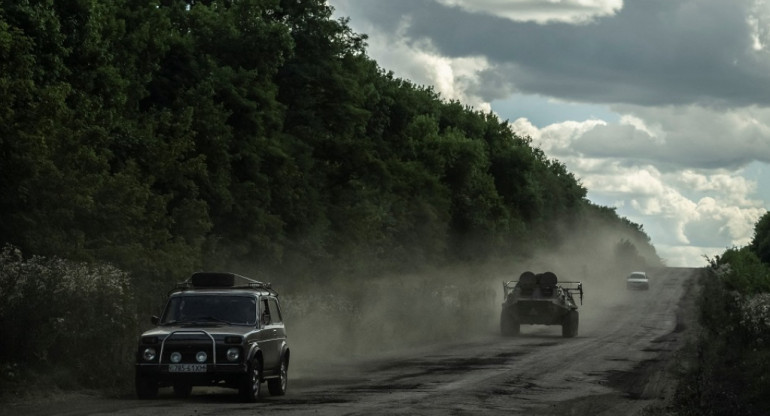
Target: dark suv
column 217, row 329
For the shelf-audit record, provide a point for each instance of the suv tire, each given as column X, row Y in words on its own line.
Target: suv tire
column 251, row 383
column 277, row 386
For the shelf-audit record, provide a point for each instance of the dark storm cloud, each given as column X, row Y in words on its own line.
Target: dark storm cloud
column 652, row 52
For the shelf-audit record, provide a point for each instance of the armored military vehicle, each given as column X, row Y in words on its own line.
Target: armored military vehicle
column 540, row 299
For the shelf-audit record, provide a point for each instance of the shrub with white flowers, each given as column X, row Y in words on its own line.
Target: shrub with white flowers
column 755, row 318
column 74, row 318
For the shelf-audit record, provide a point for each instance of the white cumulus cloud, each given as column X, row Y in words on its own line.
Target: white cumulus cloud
column 419, row 62
column 700, row 208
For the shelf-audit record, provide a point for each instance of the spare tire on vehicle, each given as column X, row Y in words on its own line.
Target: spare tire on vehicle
column 548, row 279
column 528, row 279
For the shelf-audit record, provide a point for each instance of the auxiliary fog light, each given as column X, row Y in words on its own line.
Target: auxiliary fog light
column 201, row 356
column 148, row 354
column 176, row 357
column 233, row 354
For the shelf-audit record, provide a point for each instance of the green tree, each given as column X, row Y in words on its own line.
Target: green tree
column 760, row 243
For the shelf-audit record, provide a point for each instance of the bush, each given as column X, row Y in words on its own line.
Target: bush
column 76, row 320
column 731, row 357
column 742, row 271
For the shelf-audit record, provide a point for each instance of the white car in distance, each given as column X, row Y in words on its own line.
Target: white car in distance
column 638, row 281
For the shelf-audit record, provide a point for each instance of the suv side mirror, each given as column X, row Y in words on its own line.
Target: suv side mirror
column 154, row 320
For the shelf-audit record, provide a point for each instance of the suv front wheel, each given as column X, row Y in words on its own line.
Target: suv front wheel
column 251, row 383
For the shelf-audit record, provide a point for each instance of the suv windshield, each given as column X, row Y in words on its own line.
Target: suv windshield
column 228, row 309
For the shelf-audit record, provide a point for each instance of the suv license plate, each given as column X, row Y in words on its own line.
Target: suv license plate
column 187, row 368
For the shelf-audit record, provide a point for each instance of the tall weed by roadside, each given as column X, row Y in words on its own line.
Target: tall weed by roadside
column 74, row 322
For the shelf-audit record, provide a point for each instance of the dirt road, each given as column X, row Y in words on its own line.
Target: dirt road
column 617, row 365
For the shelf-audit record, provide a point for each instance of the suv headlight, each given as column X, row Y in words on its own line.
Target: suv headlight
column 149, row 354
column 233, row 354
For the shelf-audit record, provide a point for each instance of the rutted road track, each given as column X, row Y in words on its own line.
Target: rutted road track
column 618, row 364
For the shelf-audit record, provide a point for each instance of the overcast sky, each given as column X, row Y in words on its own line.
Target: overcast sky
column 660, row 107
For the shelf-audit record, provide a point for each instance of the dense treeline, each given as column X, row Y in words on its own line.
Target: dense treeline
column 167, row 136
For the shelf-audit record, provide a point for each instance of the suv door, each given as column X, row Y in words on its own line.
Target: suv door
column 270, row 335
column 280, row 329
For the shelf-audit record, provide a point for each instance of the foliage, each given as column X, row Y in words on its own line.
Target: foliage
column 728, row 373
column 59, row 315
column 760, row 244
column 742, row 271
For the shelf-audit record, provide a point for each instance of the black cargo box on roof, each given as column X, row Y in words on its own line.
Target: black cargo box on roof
column 210, row 279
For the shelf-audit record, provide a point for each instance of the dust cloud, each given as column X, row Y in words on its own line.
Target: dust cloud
column 369, row 318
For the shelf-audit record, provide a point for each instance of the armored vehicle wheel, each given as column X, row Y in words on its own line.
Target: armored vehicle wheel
column 182, row 389
column 509, row 324
column 146, row 387
column 569, row 327
column 277, row 386
column 251, row 383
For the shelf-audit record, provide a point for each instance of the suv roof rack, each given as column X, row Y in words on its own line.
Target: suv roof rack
column 221, row 280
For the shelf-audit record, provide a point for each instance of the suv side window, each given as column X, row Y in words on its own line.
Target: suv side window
column 275, row 311
column 265, row 316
